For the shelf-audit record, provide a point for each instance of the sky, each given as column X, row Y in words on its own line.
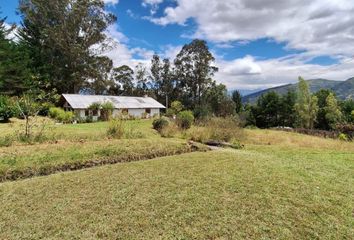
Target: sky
column 256, row 43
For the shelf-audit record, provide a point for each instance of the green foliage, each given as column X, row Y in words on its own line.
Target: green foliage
column 60, row 35
column 7, row 108
column 123, row 78
column 306, row 106
column 332, row 110
column 106, row 110
column 194, row 71
column 202, row 112
column 185, row 119
column 61, row 115
column 216, row 97
column 342, row 137
column 237, row 98
column 267, row 111
column 95, row 106
column 160, row 123
column 176, row 107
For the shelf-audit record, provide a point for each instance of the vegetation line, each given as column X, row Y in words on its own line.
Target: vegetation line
column 16, row 174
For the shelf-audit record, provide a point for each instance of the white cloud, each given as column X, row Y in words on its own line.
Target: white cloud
column 318, row 26
column 153, row 4
column 112, row 2
column 250, row 73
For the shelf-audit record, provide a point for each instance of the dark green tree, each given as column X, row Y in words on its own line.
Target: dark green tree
column 266, row 113
column 286, row 109
column 237, row 98
column 62, row 37
column 347, row 107
column 15, row 75
column 141, row 78
column 321, row 121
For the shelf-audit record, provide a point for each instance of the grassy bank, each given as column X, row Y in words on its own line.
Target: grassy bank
column 228, row 194
column 43, row 159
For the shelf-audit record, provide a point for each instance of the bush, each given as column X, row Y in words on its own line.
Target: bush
column 54, row 112
column 347, row 129
column 115, row 128
column 202, row 113
column 45, row 108
column 185, row 119
column 160, row 123
column 7, row 109
column 60, row 115
column 342, row 137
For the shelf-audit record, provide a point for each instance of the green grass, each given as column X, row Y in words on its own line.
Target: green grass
column 227, row 194
column 43, row 159
column 87, row 131
column 280, row 186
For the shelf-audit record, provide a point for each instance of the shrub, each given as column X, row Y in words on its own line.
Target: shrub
column 342, row 137
column 160, row 123
column 176, row 106
column 45, row 108
column 54, row 112
column 185, row 119
column 7, row 109
column 60, row 115
column 347, row 129
column 115, row 128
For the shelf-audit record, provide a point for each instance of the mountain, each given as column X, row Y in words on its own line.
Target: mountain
column 343, row 89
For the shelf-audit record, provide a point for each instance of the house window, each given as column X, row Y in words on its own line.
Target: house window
column 87, row 113
column 94, row 112
column 148, row 110
column 125, row 110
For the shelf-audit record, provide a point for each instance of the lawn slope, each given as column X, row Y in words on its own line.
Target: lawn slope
column 266, row 191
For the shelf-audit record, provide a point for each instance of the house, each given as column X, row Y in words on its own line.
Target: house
column 132, row 106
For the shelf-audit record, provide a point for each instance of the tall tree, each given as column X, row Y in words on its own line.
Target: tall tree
column 332, row 110
column 123, row 81
column 167, row 81
column 237, row 98
column 306, row 105
column 286, row 109
column 61, row 36
column 321, row 120
column 266, row 112
column 194, row 70
column 15, row 75
column 141, row 78
column 156, row 76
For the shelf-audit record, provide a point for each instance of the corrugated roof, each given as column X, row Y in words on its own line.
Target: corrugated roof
column 77, row 101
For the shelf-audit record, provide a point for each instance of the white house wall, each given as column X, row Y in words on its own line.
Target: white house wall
column 136, row 112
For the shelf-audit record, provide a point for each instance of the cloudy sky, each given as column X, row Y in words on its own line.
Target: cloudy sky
column 257, row 43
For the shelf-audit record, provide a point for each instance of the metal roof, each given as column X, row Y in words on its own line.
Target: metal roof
column 77, row 101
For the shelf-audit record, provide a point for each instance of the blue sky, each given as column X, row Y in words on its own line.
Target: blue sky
column 257, row 44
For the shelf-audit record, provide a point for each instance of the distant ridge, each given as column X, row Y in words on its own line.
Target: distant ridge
column 343, row 89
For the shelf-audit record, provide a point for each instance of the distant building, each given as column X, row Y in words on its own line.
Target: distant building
column 133, row 106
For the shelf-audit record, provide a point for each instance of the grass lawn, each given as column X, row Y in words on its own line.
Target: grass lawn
column 294, row 187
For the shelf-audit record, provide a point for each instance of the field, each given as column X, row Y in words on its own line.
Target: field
column 280, row 186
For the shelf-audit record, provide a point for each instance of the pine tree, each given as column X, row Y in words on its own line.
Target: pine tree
column 237, row 98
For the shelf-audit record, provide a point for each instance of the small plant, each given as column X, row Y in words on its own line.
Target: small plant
column 185, row 119
column 160, row 123
column 116, row 128
column 343, row 137
column 7, row 109
column 6, row 141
